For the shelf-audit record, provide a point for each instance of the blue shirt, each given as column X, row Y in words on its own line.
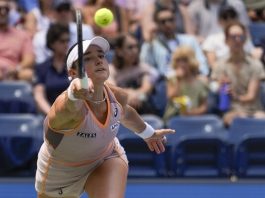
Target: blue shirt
column 54, row 82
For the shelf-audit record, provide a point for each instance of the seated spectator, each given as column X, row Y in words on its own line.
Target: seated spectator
column 215, row 46
column 242, row 73
column 158, row 51
column 16, row 52
column 182, row 17
column 63, row 14
column 204, row 15
column 256, row 10
column 136, row 77
column 138, row 15
column 51, row 75
column 39, row 17
column 186, row 92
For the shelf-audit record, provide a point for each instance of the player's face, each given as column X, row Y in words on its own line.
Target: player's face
column 96, row 65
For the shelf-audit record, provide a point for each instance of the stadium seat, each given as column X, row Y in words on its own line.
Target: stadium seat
column 16, row 97
column 198, row 148
column 257, row 32
column 247, row 135
column 142, row 162
column 19, row 140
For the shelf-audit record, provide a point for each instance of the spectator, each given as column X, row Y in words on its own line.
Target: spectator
column 158, row 52
column 186, row 92
column 256, row 10
column 51, row 75
column 39, row 17
column 204, row 15
column 137, row 14
column 182, row 18
column 16, row 53
column 136, row 77
column 215, row 46
column 242, row 73
column 63, row 15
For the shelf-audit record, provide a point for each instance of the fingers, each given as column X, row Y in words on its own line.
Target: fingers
column 157, row 141
column 82, row 88
column 163, row 132
column 156, row 145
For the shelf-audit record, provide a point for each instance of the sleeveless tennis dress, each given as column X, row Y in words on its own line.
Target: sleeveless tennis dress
column 68, row 157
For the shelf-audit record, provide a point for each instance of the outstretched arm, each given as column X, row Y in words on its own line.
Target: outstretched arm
column 133, row 121
column 67, row 112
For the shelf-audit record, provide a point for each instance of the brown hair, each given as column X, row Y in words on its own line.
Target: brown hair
column 234, row 23
column 118, row 61
column 187, row 53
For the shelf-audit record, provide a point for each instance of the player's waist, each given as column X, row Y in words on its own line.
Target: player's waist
column 75, row 162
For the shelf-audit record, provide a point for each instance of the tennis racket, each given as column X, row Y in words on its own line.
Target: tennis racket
column 81, row 71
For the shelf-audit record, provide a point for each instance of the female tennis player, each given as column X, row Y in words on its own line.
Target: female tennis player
column 80, row 150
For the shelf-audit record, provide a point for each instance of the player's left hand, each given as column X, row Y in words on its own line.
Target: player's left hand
column 158, row 139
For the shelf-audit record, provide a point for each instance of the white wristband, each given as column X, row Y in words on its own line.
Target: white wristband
column 70, row 93
column 147, row 133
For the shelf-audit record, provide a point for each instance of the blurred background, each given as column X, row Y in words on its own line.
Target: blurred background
column 196, row 66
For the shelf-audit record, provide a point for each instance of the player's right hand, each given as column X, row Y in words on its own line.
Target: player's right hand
column 80, row 91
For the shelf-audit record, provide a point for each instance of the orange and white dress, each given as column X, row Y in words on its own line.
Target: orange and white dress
column 67, row 157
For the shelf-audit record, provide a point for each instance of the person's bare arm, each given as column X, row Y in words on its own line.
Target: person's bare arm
column 27, row 60
column 133, row 121
column 189, row 27
column 40, row 98
column 211, row 58
column 30, row 23
column 67, row 113
column 201, row 109
column 251, row 93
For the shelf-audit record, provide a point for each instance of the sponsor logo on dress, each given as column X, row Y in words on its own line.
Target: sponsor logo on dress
column 86, row 135
column 115, row 112
column 115, row 125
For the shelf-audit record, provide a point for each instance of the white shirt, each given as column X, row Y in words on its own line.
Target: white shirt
column 216, row 43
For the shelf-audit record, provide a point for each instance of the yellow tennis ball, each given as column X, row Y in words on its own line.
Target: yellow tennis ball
column 103, row 17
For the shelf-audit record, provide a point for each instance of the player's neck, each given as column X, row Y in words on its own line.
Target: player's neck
column 98, row 96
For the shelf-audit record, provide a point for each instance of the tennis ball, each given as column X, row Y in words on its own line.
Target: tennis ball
column 103, row 17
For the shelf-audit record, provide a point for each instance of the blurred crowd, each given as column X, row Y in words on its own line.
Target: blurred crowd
column 173, row 57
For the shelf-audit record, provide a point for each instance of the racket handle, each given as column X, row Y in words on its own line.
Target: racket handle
column 84, row 82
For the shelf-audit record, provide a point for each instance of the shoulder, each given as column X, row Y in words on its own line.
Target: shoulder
column 119, row 93
column 44, row 65
column 253, row 61
column 184, row 38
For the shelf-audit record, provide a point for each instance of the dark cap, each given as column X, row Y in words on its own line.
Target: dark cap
column 59, row 4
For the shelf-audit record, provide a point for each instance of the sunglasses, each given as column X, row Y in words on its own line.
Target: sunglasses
column 64, row 40
column 237, row 37
column 64, row 7
column 164, row 21
column 131, row 47
column 4, row 9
